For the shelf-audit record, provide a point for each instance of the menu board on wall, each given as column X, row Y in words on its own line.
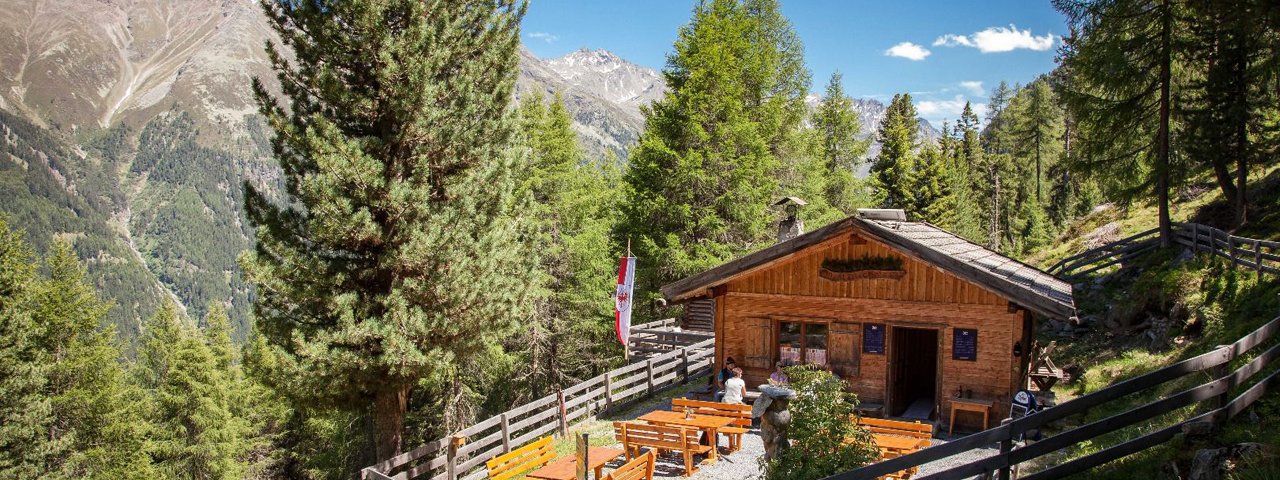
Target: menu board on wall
column 964, row 344
column 873, row 338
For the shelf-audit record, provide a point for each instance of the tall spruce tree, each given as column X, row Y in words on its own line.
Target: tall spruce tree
column 190, row 401
column 893, row 171
column 1039, row 130
column 965, row 173
column 1233, row 106
column 573, row 217
column 1120, row 88
column 704, row 172
column 842, row 151
column 398, row 252
column 97, row 424
column 932, row 198
column 25, row 410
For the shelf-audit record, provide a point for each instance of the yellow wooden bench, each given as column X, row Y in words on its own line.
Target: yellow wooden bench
column 633, row 436
column 740, row 413
column 639, row 469
column 520, row 460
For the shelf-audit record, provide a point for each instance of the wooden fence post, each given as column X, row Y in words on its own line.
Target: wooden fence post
column 564, row 419
column 648, row 369
column 1006, row 446
column 1231, row 250
column 684, row 365
column 1221, row 371
column 1195, row 238
column 608, row 390
column 1257, row 258
column 451, row 457
column 506, row 433
column 583, row 445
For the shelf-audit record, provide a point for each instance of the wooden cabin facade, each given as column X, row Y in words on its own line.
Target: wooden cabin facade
column 950, row 317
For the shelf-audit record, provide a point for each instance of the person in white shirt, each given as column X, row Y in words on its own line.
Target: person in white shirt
column 735, row 389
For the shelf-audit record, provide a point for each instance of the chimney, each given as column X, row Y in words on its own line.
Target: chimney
column 791, row 226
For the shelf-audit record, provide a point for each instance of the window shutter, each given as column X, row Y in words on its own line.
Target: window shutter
column 844, row 350
column 759, row 351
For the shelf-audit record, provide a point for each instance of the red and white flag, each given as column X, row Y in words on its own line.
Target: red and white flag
column 622, row 299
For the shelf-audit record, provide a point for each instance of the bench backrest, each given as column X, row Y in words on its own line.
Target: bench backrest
column 658, row 436
column 512, row 464
column 896, row 427
column 740, row 413
column 641, row 468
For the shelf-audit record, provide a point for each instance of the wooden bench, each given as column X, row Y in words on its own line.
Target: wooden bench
column 633, row 436
column 520, row 460
column 740, row 413
column 897, row 427
column 639, row 469
column 922, row 431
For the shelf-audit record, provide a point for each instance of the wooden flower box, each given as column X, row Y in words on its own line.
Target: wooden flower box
column 860, row 274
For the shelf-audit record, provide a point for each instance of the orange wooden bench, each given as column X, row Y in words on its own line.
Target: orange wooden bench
column 633, row 436
column 922, row 431
column 639, row 469
column 520, row 460
column 740, row 413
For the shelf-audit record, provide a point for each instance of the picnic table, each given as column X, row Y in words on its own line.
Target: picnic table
column 566, row 468
column 710, row 424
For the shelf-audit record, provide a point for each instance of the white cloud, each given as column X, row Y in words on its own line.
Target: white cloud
column 544, row 36
column 907, row 50
column 936, row 111
column 998, row 39
column 973, row 86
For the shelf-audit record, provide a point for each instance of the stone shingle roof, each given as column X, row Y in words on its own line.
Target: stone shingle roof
column 1018, row 275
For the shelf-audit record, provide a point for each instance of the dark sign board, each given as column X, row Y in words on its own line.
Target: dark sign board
column 964, row 344
column 873, row 338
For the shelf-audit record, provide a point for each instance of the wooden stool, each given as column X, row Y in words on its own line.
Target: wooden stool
column 972, row 405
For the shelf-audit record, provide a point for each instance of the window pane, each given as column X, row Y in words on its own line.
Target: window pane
column 815, row 343
column 789, row 342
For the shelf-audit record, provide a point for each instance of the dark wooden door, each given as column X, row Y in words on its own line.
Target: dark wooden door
column 914, row 368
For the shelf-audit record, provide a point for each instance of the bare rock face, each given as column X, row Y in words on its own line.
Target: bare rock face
column 1208, row 464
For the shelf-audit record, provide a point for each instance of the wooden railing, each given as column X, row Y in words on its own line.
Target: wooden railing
column 462, row 455
column 1214, row 393
column 1259, row 255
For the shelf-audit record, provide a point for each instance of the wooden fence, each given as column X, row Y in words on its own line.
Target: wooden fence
column 1260, row 255
column 462, row 455
column 1214, row 394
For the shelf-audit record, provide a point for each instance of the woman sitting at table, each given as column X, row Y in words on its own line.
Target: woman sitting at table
column 735, row 389
column 778, row 377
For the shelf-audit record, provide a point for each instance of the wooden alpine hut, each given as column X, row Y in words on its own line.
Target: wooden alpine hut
column 914, row 318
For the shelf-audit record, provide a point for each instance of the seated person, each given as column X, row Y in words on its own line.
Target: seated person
column 725, row 374
column 735, row 389
column 778, row 377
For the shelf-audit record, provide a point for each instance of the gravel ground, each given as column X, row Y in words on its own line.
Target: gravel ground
column 744, row 463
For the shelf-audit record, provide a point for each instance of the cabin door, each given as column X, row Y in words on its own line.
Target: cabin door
column 913, row 373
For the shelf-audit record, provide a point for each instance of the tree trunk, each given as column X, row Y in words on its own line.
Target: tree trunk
column 389, row 407
column 1162, row 135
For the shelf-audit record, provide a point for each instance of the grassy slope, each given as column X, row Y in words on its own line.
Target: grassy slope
column 1210, row 304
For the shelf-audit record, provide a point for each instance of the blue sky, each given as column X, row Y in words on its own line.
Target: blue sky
column 943, row 53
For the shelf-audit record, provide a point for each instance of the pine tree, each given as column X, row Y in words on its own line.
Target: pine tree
column 1119, row 86
column 1039, row 129
column 399, row 250
column 96, row 423
column 704, row 172
column 933, row 200
column 569, row 337
column 842, row 151
column 1232, row 107
column 893, row 170
column 25, row 411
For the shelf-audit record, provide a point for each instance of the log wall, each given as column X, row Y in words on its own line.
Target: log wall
column 747, row 312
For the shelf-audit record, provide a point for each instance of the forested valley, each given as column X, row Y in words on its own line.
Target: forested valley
column 435, row 251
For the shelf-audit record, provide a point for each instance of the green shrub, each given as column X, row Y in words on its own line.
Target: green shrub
column 824, row 439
